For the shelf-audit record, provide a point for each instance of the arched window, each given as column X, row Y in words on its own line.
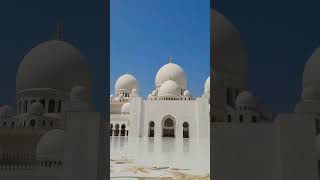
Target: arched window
column 151, row 129
column 51, row 107
column 4, row 124
column 43, row 102
column 51, row 123
column 168, row 128
column 20, row 107
column 185, row 130
column 241, row 118
column 32, row 123
column 25, row 106
column 254, row 119
column 229, row 118
column 116, row 131
column 123, row 130
column 12, row 124
column 59, row 106
column 43, row 123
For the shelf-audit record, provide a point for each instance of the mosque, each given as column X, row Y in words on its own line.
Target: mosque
column 170, row 110
column 248, row 142
column 53, row 129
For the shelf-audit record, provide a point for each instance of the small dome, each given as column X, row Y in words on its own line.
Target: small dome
column 53, row 64
column 111, row 96
column 121, row 96
column 186, row 93
column 245, row 98
column 169, row 89
column 126, row 83
column 310, row 93
column 79, row 93
column 51, row 146
column 207, row 85
column 311, row 74
column 134, row 92
column 149, row 96
column 172, row 72
column 125, row 108
column 6, row 111
column 36, row 107
column 154, row 93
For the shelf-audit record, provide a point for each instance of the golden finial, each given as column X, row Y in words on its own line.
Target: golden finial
column 170, row 59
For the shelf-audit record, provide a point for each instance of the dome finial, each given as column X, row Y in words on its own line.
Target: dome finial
column 170, row 59
column 57, row 35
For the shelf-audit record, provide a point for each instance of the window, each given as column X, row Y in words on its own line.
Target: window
column 25, row 106
column 19, row 107
column 241, row 118
column 59, row 106
column 32, row 123
column 254, row 119
column 229, row 118
column 123, row 130
column 51, row 106
column 43, row 123
column 185, row 130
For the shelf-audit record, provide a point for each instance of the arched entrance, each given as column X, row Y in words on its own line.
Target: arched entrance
column 123, row 130
column 116, row 132
column 151, row 129
column 185, row 130
column 168, row 127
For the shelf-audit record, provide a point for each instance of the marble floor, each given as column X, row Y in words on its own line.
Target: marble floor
column 163, row 158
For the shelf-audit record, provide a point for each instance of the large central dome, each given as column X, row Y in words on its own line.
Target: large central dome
column 172, row 72
column 53, row 64
column 311, row 74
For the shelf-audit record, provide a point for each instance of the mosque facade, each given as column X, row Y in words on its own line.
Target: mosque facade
column 40, row 138
column 170, row 110
column 247, row 140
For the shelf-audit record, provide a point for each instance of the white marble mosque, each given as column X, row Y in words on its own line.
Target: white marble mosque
column 53, row 132
column 169, row 111
column 248, row 142
column 46, row 136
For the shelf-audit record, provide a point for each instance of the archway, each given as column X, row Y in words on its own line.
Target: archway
column 168, row 127
column 151, row 129
column 185, row 130
column 123, row 130
column 116, row 132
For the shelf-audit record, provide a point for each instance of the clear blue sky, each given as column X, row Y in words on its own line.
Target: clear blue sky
column 144, row 33
column 279, row 37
